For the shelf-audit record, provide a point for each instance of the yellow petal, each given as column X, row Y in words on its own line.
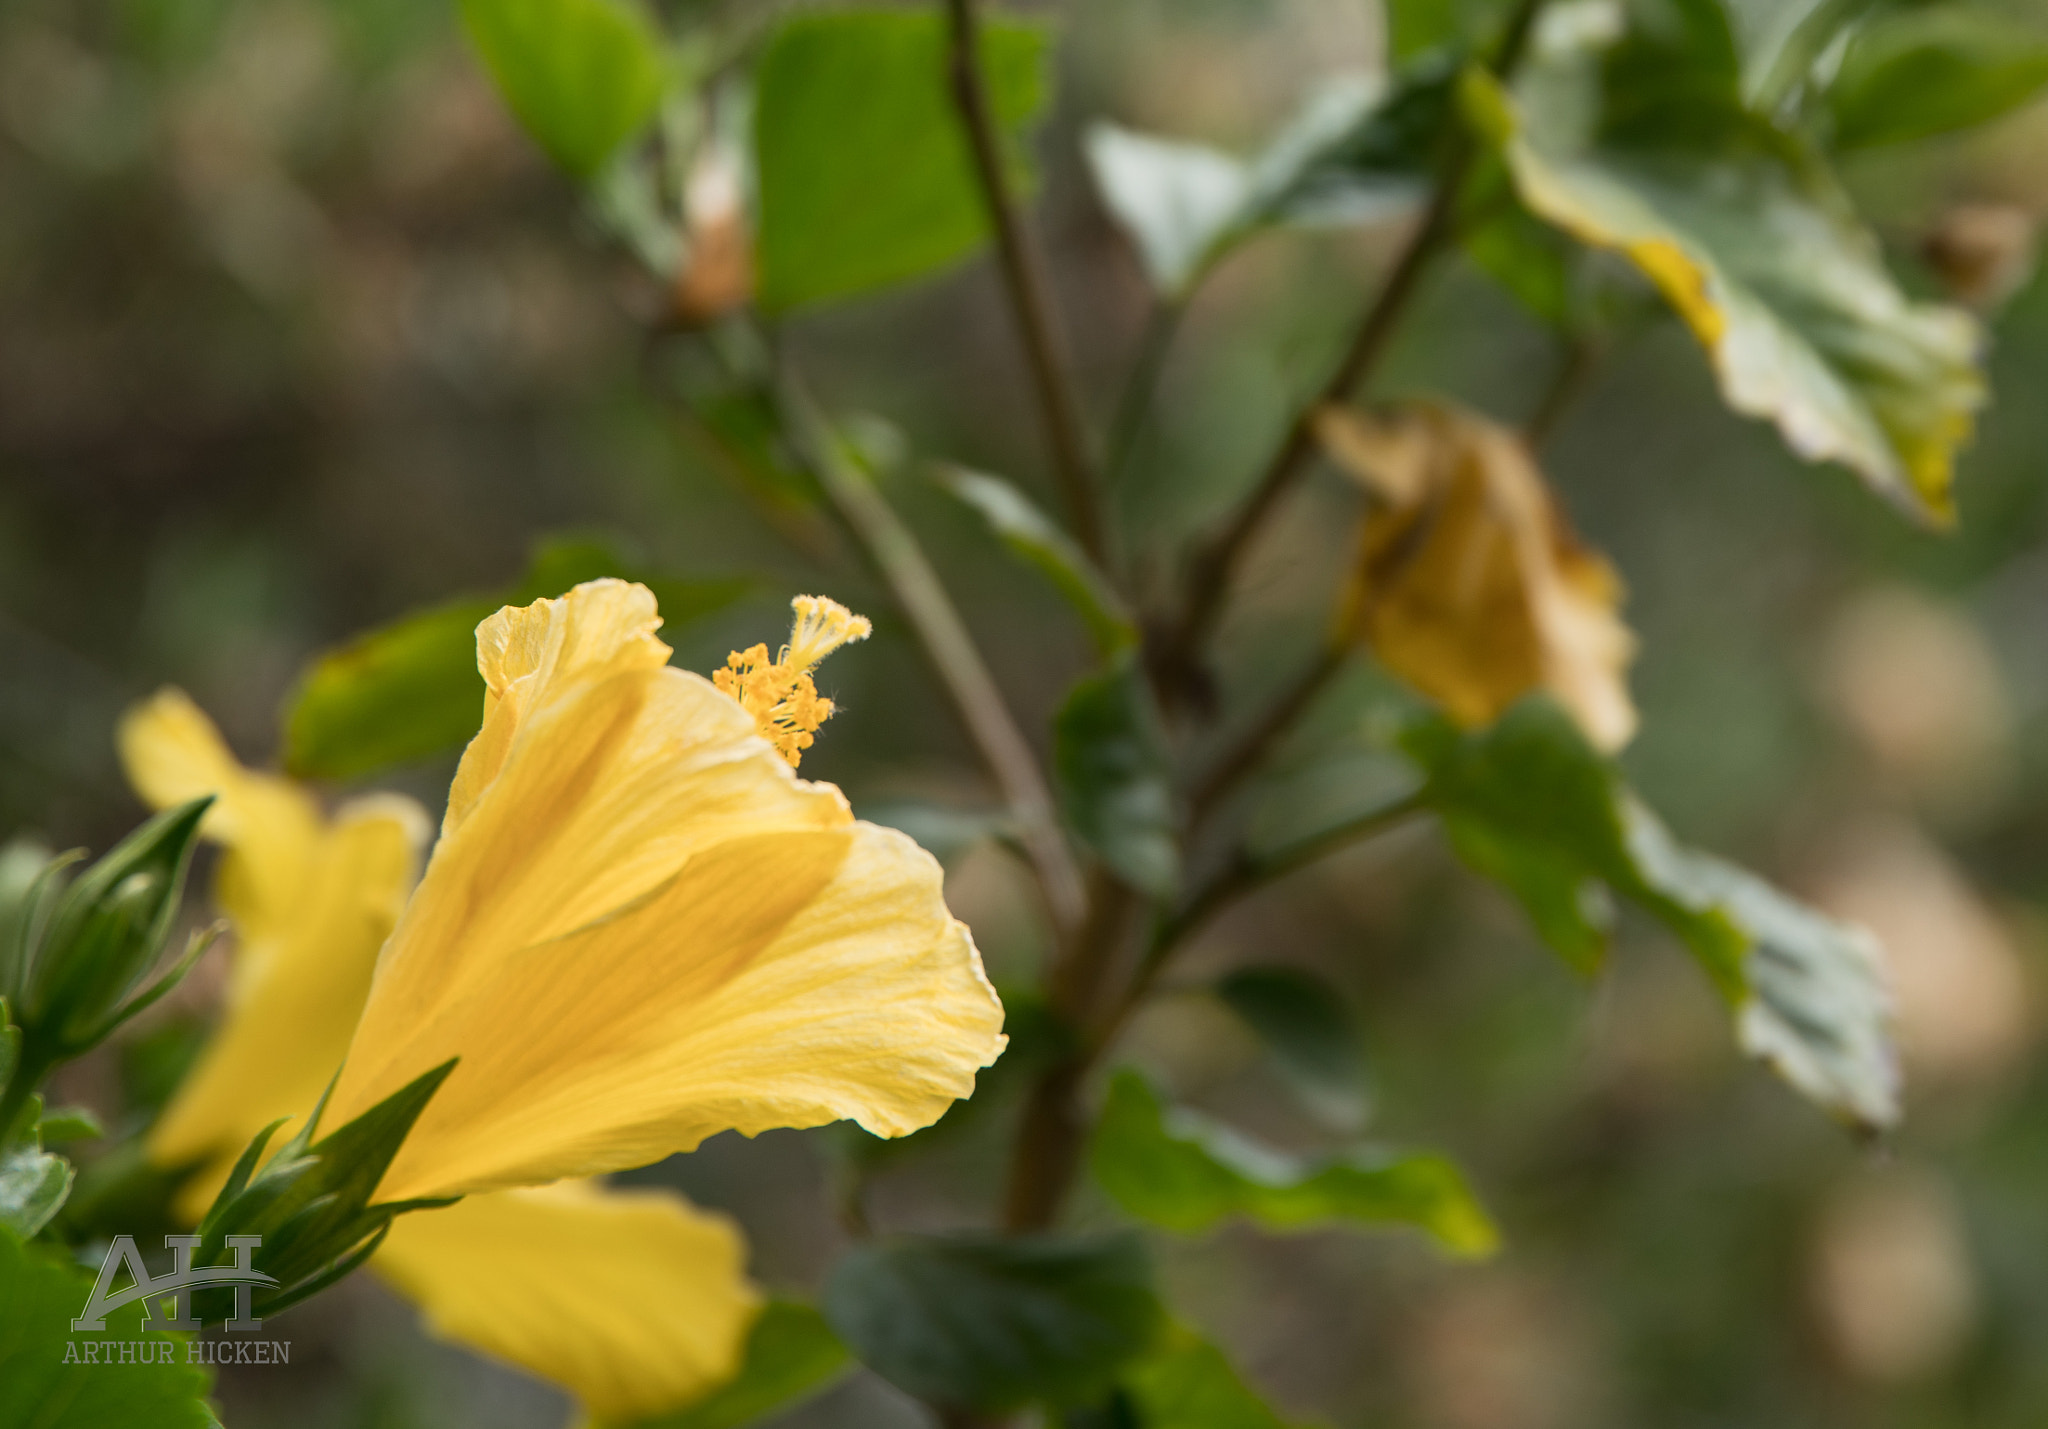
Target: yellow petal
column 294, row 996
column 1470, row 586
column 173, row 753
column 633, row 886
column 781, row 979
column 310, row 904
column 634, row 1301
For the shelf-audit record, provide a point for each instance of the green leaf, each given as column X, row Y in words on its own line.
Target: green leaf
column 396, row 695
column 1532, row 805
column 1311, row 1034
column 1532, row 260
column 866, row 177
column 1351, row 154
column 1646, row 149
column 1418, row 26
column 583, row 76
column 1190, row 1384
column 791, row 1356
column 1037, row 539
column 1177, row 201
column 1186, row 1383
column 1933, row 71
column 33, row 1188
column 1786, row 45
column 1115, row 782
column 410, row 690
column 1187, row 1172
column 993, row 1323
column 38, row 1300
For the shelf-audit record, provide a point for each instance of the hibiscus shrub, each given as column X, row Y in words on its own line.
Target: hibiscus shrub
column 641, row 923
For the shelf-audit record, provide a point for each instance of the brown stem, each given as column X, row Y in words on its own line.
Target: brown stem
column 950, row 647
column 1240, row 877
column 1250, row 748
column 1049, row 1141
column 1567, row 385
column 1024, row 280
column 1053, row 1126
column 1134, row 407
column 1214, row 566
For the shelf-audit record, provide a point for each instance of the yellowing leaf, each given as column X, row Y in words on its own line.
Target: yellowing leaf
column 634, row 1301
column 1470, row 586
column 1646, row 149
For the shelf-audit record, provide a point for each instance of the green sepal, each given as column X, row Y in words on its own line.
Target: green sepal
column 311, row 1203
column 70, row 1123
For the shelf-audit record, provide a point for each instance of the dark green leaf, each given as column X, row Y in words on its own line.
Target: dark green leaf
column 1932, row 71
column 584, row 76
column 1531, row 804
column 994, row 1323
column 1311, row 1034
column 1187, row 1172
column 1646, row 150
column 866, row 178
column 791, row 1355
column 410, row 690
column 560, row 563
column 1115, row 783
column 38, row 1300
column 1038, row 539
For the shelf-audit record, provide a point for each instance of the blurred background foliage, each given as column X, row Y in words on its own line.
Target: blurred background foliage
column 299, row 333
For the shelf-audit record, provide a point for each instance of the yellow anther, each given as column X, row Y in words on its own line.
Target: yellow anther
column 779, row 693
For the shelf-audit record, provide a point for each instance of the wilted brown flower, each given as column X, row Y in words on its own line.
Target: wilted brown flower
column 1470, row 584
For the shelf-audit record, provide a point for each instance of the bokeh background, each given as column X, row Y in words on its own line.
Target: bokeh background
column 298, row 333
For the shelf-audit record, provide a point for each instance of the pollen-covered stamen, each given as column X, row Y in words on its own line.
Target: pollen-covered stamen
column 780, row 694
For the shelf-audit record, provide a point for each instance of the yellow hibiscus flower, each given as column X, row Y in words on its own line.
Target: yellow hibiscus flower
column 638, row 928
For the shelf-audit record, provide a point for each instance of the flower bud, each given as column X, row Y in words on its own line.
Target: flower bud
column 78, row 967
